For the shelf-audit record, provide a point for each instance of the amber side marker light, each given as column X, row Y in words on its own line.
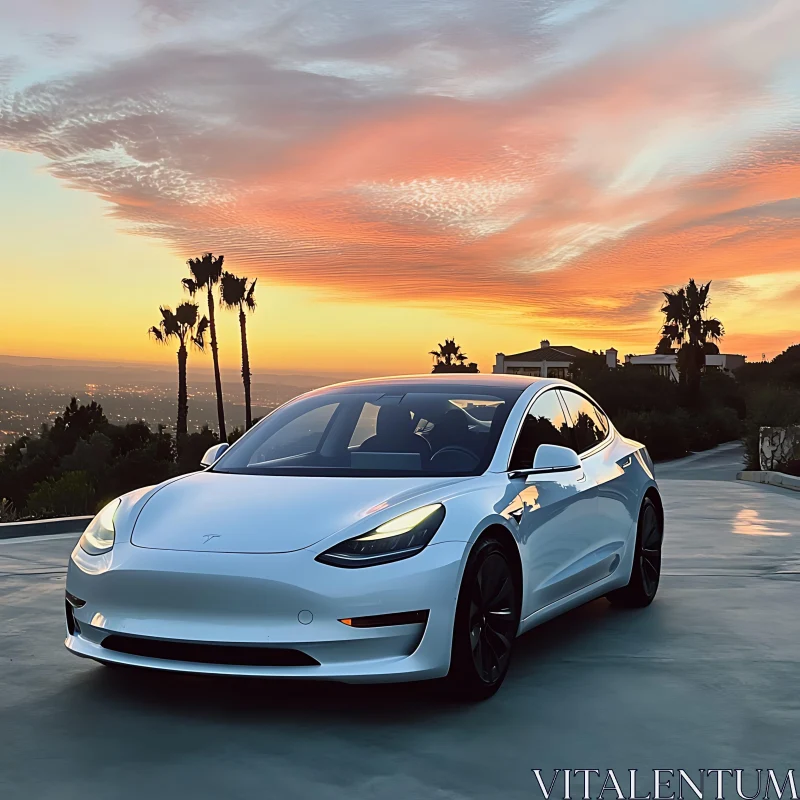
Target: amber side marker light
column 384, row 620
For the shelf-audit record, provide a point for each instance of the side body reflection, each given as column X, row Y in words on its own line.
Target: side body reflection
column 564, row 542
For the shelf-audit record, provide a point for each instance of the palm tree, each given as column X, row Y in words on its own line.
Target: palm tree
column 449, row 358
column 206, row 274
column 234, row 293
column 687, row 328
column 183, row 326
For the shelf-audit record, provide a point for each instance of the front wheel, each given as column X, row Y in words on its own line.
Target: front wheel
column 487, row 618
column 646, row 572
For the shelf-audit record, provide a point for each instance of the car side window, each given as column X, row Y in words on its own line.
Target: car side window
column 545, row 423
column 602, row 420
column 591, row 426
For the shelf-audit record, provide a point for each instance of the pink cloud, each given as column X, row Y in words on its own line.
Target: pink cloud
column 390, row 179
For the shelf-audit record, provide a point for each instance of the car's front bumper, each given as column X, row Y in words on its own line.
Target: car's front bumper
column 257, row 600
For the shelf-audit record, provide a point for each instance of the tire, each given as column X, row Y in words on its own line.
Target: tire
column 646, row 572
column 486, row 622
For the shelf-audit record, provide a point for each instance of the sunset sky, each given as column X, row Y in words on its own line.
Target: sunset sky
column 397, row 172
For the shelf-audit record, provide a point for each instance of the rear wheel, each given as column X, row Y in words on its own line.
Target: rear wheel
column 487, row 618
column 646, row 572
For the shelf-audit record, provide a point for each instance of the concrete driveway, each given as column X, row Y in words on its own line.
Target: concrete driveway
column 707, row 677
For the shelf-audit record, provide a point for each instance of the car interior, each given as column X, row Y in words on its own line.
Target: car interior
column 410, row 433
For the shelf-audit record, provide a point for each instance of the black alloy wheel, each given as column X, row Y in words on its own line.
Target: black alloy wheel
column 646, row 572
column 491, row 617
column 487, row 618
column 650, row 553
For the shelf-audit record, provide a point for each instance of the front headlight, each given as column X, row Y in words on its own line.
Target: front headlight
column 98, row 538
column 401, row 537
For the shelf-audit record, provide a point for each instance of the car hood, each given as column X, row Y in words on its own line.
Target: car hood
column 225, row 513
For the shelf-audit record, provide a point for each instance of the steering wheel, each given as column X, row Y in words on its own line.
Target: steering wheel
column 454, row 448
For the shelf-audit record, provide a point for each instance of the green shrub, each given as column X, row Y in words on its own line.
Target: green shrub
column 7, row 511
column 707, row 429
column 135, row 469
column 630, row 388
column 662, row 433
column 675, row 433
column 70, row 495
column 718, row 389
column 235, row 435
column 82, row 460
column 193, row 448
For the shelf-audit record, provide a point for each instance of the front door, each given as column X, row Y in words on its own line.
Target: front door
column 605, row 465
column 555, row 513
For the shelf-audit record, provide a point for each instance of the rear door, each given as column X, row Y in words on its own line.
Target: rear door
column 556, row 513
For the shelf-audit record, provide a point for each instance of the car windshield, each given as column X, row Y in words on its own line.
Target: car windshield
column 388, row 433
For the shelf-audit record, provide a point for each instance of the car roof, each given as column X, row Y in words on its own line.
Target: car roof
column 473, row 382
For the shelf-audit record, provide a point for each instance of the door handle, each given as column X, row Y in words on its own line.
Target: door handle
column 627, row 463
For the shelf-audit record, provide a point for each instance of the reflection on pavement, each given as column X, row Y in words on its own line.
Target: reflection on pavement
column 747, row 522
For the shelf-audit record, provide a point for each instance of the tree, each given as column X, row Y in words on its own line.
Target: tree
column 449, row 358
column 77, row 422
column 786, row 366
column 183, row 326
column 687, row 328
column 234, row 293
column 586, row 367
column 206, row 274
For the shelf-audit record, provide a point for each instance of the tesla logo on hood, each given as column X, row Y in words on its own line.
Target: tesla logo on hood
column 209, row 536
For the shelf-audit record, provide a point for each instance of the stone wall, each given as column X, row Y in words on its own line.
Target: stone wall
column 778, row 446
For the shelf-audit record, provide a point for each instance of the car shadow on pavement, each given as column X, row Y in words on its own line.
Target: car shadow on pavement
column 222, row 698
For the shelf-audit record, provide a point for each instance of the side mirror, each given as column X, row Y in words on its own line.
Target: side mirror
column 549, row 459
column 554, row 458
column 213, row 453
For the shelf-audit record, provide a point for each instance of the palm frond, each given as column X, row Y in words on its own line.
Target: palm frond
column 673, row 332
column 684, row 317
column 186, row 314
column 232, row 290
column 167, row 328
column 702, row 294
column 206, row 270
column 713, row 328
column 250, row 299
column 191, row 286
column 199, row 277
column 169, row 322
column 674, row 309
column 199, row 335
column 215, row 268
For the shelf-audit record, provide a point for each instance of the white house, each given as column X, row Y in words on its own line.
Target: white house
column 554, row 361
column 547, row 360
column 667, row 365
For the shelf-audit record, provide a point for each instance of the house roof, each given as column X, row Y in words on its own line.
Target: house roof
column 553, row 353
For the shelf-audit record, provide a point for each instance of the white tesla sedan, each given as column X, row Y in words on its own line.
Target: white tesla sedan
column 381, row 530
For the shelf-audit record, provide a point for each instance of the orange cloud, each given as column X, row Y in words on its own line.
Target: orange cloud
column 479, row 168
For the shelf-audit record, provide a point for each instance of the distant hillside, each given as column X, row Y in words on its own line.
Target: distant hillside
column 26, row 372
